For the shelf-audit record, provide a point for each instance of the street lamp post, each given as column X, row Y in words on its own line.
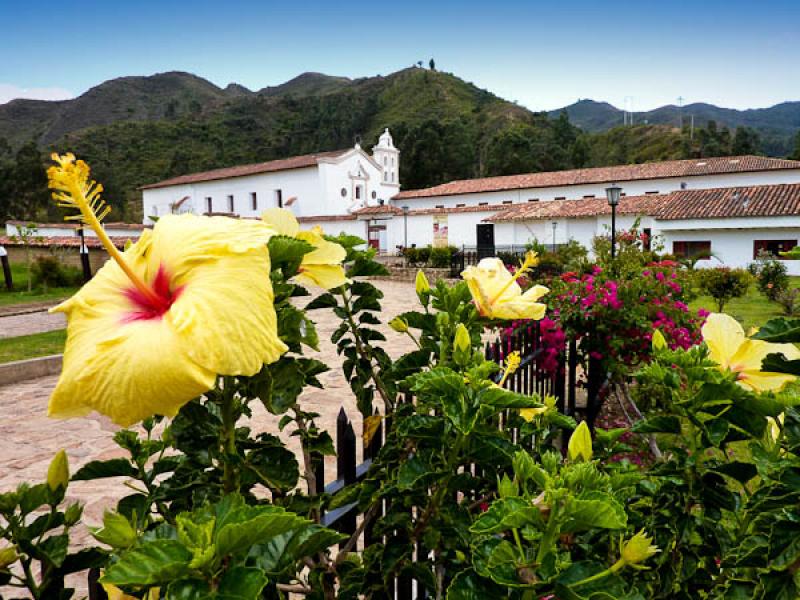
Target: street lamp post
column 613, row 194
column 405, row 227
column 555, row 224
column 6, row 269
column 86, row 265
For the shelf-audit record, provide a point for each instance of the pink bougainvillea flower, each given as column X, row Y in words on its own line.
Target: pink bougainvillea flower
column 732, row 351
column 190, row 300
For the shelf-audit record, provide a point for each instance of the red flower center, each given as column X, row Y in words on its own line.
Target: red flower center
column 147, row 307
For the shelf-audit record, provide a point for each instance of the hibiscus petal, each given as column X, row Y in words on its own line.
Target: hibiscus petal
column 519, row 309
column 324, row 276
column 723, row 335
column 535, row 292
column 761, row 381
column 138, row 370
column 282, row 221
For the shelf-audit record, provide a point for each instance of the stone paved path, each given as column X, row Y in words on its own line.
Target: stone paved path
column 35, row 322
column 28, row 439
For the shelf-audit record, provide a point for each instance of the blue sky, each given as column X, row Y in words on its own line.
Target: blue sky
column 544, row 55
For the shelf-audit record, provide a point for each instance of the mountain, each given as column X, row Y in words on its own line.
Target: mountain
column 164, row 95
column 777, row 125
column 308, row 84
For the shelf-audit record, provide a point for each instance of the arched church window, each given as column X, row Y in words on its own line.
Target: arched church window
column 358, row 192
column 374, row 195
column 344, row 192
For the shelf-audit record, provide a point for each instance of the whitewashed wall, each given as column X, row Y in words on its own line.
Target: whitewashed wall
column 58, row 230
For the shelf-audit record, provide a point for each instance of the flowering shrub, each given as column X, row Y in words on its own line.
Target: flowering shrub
column 614, row 318
column 723, row 284
column 770, row 274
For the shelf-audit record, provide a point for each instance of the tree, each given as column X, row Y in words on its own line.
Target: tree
column 27, row 235
column 432, row 65
column 745, row 141
column 796, row 154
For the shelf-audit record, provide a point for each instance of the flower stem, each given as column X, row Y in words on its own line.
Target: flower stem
column 230, row 473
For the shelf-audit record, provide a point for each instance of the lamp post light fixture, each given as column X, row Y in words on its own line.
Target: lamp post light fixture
column 555, row 224
column 613, row 194
column 405, row 227
column 6, row 269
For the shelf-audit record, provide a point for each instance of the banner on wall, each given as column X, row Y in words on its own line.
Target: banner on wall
column 439, row 231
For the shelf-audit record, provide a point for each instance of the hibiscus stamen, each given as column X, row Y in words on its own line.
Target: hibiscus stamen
column 74, row 189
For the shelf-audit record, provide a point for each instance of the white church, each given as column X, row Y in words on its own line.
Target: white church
column 729, row 207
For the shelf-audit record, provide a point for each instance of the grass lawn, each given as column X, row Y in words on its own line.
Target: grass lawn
column 752, row 311
column 31, row 346
column 21, row 295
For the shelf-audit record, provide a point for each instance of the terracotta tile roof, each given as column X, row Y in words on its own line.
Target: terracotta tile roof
column 326, row 218
column 63, row 241
column 283, row 164
column 619, row 174
column 754, row 201
column 66, row 225
column 380, row 209
column 575, row 209
column 457, row 209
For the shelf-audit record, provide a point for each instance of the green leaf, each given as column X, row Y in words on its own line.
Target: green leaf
column 594, row 509
column 501, row 399
column 286, row 253
column 740, row 471
column 412, row 472
column 157, row 562
column 116, row 532
column 779, row 331
column 54, row 549
column 98, row 469
column 242, row 583
column 505, row 514
column 778, row 363
column 468, row 585
column 659, row 424
column 716, row 431
column 282, row 552
column 250, row 526
column 326, row 300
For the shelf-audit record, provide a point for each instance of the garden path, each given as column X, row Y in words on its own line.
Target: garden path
column 28, row 439
column 29, row 323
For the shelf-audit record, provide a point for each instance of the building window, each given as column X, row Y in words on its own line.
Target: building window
column 344, row 192
column 648, row 237
column 230, row 204
column 358, row 192
column 385, row 160
column 533, row 199
column 374, row 195
column 701, row 250
column 440, row 206
column 279, row 198
column 508, row 202
column 386, row 175
column 560, row 198
column 483, row 204
column 393, row 161
column 587, row 196
column 460, row 205
column 254, row 200
column 209, row 205
column 651, row 193
column 773, row 247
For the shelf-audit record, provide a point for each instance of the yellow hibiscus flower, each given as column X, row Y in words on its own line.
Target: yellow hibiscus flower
column 191, row 299
column 497, row 294
column 323, row 265
column 732, row 351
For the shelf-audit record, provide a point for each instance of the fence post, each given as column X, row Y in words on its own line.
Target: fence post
column 594, row 385
column 345, row 466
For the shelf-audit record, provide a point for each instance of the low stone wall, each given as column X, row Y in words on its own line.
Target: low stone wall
column 66, row 256
column 398, row 273
column 33, row 368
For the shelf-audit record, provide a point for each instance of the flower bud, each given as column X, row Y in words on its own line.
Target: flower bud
column 638, row 549
column 399, row 325
column 58, row 471
column 116, row 531
column 7, row 557
column 423, row 287
column 462, row 345
column 580, row 444
column 659, row 342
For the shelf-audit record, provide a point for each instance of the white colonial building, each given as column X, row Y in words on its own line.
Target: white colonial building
column 326, row 188
column 729, row 207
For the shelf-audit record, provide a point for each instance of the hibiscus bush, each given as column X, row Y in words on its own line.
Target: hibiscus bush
column 476, row 492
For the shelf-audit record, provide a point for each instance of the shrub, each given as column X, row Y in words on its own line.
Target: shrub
column 770, row 275
column 723, row 284
column 439, row 258
column 417, row 257
column 789, row 301
column 47, row 271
